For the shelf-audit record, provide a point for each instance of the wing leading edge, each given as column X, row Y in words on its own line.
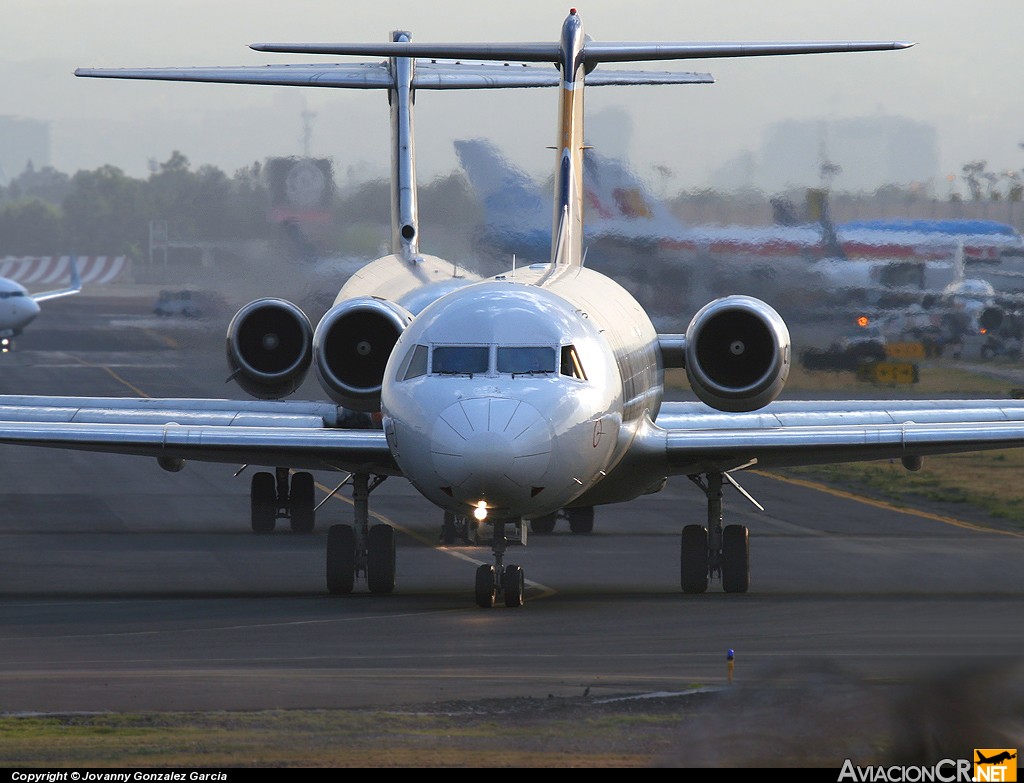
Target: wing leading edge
column 687, row 438
column 73, row 288
column 692, row 438
column 309, row 448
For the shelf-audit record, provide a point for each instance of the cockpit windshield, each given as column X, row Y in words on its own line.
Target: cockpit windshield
column 476, row 360
column 529, row 359
column 460, row 359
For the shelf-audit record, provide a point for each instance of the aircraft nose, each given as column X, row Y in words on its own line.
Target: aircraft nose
column 29, row 310
column 491, row 448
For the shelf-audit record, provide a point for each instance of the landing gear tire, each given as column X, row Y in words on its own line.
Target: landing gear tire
column 581, row 520
column 486, row 586
column 380, row 559
column 341, row 559
column 301, row 503
column 693, row 559
column 513, row 585
column 735, row 559
column 449, row 531
column 263, row 502
column 545, row 524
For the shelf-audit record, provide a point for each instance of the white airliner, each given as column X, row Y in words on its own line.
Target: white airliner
column 509, row 398
column 19, row 308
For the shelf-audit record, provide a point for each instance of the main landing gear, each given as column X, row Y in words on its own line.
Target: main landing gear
column 458, row 529
column 359, row 548
column 714, row 551
column 271, row 498
column 581, row 520
column 499, row 581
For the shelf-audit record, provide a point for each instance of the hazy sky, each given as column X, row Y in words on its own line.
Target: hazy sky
column 964, row 77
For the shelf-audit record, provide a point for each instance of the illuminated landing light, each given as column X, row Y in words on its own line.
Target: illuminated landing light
column 480, row 512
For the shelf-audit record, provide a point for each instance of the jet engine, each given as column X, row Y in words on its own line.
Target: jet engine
column 737, row 354
column 351, row 346
column 269, row 347
column 991, row 318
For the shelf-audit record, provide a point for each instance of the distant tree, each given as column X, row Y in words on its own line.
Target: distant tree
column 30, row 227
column 1014, row 189
column 973, row 174
column 104, row 213
column 250, row 199
column 47, row 184
column 206, row 204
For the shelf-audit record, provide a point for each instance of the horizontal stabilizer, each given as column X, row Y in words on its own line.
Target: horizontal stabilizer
column 604, row 52
column 429, row 75
column 352, row 75
column 593, row 52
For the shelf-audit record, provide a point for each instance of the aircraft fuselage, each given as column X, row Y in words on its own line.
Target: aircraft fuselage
column 519, row 397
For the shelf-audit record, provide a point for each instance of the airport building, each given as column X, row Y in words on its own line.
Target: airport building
column 23, row 141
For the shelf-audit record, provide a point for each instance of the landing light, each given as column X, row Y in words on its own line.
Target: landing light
column 480, row 512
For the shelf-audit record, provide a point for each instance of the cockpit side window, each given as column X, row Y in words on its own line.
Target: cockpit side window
column 460, row 359
column 526, row 359
column 415, row 363
column 570, row 363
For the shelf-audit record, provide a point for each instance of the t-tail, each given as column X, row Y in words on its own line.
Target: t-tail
column 576, row 57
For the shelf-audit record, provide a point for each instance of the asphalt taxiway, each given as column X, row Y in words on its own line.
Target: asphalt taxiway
column 125, row 587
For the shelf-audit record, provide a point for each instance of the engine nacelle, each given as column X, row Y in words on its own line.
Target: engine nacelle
column 737, row 354
column 270, row 347
column 351, row 346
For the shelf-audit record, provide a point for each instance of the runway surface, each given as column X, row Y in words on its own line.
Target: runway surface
column 125, row 587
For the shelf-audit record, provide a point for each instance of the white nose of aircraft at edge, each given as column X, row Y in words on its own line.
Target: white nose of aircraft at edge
column 502, row 423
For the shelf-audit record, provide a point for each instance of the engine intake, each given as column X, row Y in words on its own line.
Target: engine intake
column 351, row 346
column 737, row 354
column 269, row 347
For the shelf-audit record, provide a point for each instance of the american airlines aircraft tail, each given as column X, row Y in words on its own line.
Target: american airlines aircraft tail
column 619, row 205
column 507, row 399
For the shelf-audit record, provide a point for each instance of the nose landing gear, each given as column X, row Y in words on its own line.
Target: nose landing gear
column 499, row 581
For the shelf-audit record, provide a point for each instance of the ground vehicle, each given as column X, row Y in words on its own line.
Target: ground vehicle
column 183, row 303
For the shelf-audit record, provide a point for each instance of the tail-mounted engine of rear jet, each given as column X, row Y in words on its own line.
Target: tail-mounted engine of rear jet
column 737, row 354
column 351, row 346
column 270, row 347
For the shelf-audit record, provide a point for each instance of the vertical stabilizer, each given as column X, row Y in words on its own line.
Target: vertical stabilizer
column 405, row 226
column 567, row 235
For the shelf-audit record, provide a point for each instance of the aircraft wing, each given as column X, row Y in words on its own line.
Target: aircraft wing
column 74, row 288
column 307, row 435
column 692, row 438
column 686, row 438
